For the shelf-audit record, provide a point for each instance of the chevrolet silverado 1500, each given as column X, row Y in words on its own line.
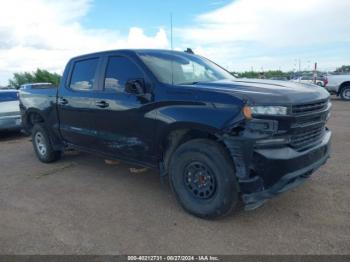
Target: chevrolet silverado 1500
column 218, row 138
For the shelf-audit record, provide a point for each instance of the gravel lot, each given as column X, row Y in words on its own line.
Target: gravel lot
column 80, row 205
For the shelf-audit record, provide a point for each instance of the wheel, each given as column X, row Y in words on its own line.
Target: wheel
column 202, row 177
column 345, row 93
column 319, row 84
column 42, row 145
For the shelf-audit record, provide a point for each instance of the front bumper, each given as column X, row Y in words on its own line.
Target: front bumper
column 269, row 172
column 10, row 122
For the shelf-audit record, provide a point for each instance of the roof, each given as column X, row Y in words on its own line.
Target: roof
column 134, row 51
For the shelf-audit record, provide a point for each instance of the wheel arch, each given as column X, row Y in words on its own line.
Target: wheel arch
column 342, row 86
column 178, row 134
column 32, row 117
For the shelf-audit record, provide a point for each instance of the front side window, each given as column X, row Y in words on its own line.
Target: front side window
column 83, row 76
column 119, row 71
column 181, row 68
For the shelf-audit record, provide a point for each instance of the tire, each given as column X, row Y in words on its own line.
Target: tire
column 205, row 166
column 345, row 93
column 42, row 145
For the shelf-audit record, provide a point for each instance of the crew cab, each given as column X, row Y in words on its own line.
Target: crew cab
column 219, row 139
column 309, row 79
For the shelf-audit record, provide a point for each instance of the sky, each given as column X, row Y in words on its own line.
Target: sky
column 240, row 35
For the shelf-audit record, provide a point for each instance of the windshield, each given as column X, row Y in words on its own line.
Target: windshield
column 182, row 68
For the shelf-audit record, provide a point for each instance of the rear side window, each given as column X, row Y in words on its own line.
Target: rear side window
column 8, row 96
column 83, row 76
column 119, row 71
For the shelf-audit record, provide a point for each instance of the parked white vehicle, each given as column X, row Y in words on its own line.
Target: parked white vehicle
column 339, row 85
column 310, row 80
column 10, row 116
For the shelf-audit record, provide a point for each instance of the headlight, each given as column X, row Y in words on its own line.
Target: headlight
column 269, row 110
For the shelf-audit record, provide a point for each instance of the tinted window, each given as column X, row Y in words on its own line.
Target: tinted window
column 83, row 75
column 8, row 96
column 119, row 71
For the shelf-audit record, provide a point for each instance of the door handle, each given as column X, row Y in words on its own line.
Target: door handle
column 62, row 101
column 102, row 104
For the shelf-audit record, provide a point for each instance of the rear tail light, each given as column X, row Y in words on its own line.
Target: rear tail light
column 325, row 81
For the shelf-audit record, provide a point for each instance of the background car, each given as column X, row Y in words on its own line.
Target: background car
column 309, row 79
column 10, row 117
column 339, row 84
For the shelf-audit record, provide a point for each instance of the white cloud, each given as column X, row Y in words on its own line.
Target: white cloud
column 267, row 34
column 46, row 33
column 255, row 28
column 274, row 22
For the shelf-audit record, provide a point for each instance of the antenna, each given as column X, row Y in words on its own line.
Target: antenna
column 172, row 47
column 171, row 31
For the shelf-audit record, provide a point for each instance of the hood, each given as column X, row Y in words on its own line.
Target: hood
column 272, row 92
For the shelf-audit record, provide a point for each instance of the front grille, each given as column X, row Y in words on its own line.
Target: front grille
column 309, row 108
column 310, row 121
column 306, row 137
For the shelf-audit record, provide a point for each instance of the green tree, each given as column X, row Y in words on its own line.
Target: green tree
column 265, row 74
column 40, row 75
column 249, row 74
column 343, row 68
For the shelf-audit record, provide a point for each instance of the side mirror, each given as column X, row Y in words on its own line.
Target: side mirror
column 135, row 86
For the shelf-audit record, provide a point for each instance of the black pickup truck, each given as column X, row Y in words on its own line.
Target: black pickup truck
column 218, row 138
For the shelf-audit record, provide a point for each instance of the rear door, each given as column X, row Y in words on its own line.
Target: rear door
column 122, row 123
column 9, row 104
column 75, row 99
column 9, row 110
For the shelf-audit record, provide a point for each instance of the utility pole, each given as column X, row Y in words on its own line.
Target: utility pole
column 315, row 72
column 171, row 44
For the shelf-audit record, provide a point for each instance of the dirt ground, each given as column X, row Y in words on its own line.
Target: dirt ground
column 80, row 205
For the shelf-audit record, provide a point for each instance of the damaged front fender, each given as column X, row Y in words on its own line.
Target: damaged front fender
column 263, row 172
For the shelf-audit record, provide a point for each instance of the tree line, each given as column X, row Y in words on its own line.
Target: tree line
column 38, row 76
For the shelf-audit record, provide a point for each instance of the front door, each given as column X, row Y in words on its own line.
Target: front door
column 123, row 125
